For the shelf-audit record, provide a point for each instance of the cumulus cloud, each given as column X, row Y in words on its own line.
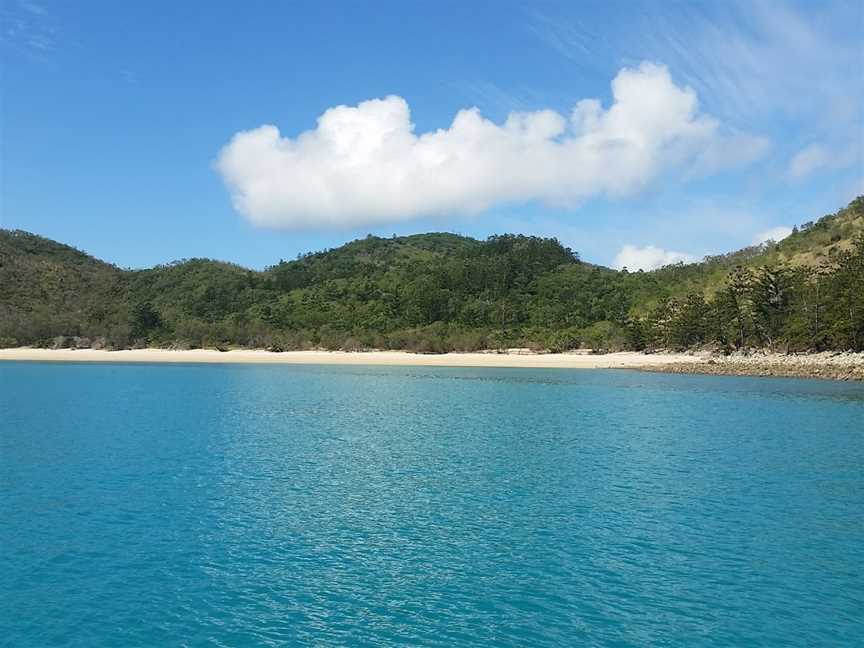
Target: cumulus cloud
column 808, row 160
column 774, row 234
column 365, row 164
column 649, row 257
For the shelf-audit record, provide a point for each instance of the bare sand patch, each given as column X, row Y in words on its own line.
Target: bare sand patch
column 395, row 358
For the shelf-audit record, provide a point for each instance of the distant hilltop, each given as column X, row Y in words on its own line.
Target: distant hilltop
column 441, row 292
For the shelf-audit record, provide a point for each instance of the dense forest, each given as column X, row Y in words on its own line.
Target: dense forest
column 434, row 293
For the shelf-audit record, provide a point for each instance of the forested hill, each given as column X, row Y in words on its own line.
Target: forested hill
column 441, row 292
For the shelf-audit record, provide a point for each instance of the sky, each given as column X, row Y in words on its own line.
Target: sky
column 637, row 133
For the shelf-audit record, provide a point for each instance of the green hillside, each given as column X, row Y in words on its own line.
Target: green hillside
column 441, row 292
column 47, row 287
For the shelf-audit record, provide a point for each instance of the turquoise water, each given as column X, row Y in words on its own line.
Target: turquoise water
column 265, row 505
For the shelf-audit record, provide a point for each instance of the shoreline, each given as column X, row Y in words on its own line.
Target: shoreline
column 833, row 366
column 844, row 366
column 514, row 359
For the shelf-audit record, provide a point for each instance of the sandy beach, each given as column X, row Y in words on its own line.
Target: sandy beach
column 514, row 359
column 835, row 366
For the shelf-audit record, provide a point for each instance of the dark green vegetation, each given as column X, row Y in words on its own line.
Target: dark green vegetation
column 442, row 292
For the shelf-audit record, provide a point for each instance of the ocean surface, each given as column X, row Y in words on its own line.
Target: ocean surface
column 245, row 505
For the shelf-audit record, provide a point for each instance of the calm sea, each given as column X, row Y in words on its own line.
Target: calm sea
column 145, row 505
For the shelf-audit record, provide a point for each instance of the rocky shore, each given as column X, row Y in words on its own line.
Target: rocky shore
column 828, row 365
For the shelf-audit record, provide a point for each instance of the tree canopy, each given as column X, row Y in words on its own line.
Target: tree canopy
column 441, row 292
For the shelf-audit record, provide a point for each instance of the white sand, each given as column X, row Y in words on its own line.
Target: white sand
column 560, row 360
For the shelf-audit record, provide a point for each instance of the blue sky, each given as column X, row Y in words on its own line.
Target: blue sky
column 134, row 130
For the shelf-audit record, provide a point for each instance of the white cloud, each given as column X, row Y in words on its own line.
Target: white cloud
column 29, row 29
column 649, row 257
column 365, row 164
column 743, row 57
column 774, row 234
column 807, row 160
column 778, row 63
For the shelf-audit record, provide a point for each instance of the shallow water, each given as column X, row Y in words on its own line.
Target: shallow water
column 264, row 505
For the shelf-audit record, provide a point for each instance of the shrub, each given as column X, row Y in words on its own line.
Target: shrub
column 603, row 337
column 566, row 340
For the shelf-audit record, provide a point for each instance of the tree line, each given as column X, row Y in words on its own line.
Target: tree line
column 442, row 292
column 781, row 308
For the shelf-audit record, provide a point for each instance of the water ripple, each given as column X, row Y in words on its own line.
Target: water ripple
column 231, row 506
